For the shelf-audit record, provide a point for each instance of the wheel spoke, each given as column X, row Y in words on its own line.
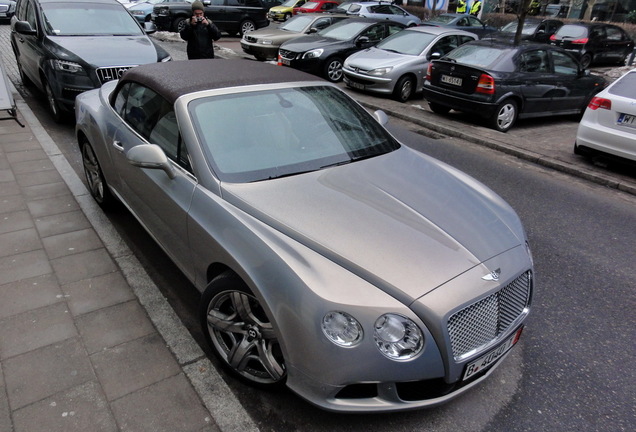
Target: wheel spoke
column 269, row 362
column 225, row 323
column 239, row 355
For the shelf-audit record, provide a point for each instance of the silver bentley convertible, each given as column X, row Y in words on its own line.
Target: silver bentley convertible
column 360, row 273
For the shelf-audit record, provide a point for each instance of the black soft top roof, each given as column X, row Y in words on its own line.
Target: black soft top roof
column 177, row 78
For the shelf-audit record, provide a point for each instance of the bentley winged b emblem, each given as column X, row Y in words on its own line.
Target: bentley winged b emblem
column 492, row 276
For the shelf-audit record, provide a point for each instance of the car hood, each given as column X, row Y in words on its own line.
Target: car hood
column 309, row 42
column 273, row 33
column 106, row 50
column 372, row 58
column 402, row 221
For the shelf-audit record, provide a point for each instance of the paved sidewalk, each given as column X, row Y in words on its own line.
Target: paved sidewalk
column 87, row 342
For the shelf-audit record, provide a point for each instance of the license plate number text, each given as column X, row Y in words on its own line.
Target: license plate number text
column 451, row 80
column 491, row 357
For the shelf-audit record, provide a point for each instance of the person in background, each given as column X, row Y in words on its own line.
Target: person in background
column 475, row 8
column 200, row 34
column 461, row 7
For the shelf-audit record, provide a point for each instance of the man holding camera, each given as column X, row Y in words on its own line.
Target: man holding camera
column 200, row 34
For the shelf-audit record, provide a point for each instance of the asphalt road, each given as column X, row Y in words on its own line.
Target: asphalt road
column 572, row 370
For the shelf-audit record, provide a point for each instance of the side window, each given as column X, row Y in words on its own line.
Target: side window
column 534, row 62
column 142, row 109
column 463, row 39
column 445, row 45
column 394, row 29
column 474, row 22
column 220, row 3
column 614, row 34
column 327, row 6
column 30, row 16
column 20, row 9
column 396, row 10
column 564, row 64
column 321, row 23
column 120, row 100
column 375, row 33
column 463, row 22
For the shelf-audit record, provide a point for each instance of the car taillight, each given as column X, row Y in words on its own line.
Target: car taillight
column 581, row 41
column 428, row 71
column 486, row 84
column 598, row 102
column 553, row 37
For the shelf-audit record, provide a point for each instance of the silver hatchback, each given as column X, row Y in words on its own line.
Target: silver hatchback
column 397, row 65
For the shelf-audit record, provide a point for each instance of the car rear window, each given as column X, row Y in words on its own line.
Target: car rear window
column 572, row 31
column 476, row 55
column 625, row 87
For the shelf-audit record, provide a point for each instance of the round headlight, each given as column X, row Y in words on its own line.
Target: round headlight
column 397, row 337
column 341, row 329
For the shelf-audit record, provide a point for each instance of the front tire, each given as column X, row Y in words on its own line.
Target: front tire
column 97, row 185
column 586, row 60
column 333, row 69
column 247, row 26
column 178, row 24
column 505, row 116
column 404, row 89
column 439, row 109
column 53, row 105
column 240, row 333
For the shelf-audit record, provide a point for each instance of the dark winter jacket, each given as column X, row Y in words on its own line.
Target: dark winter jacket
column 200, row 39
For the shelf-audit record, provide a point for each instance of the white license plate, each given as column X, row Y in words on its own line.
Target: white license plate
column 285, row 62
column 451, row 80
column 356, row 85
column 627, row 120
column 490, row 358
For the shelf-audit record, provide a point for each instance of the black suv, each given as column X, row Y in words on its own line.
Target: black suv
column 594, row 42
column 231, row 16
column 67, row 47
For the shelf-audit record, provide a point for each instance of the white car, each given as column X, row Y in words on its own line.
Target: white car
column 609, row 122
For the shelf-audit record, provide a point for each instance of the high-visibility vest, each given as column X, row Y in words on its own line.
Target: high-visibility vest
column 461, row 7
column 474, row 9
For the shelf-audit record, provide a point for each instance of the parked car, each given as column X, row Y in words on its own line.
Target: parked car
column 60, row 50
column 231, row 16
column 594, row 42
column 534, row 30
column 500, row 82
column 264, row 43
column 461, row 22
column 609, row 123
column 315, row 6
column 142, row 10
column 383, row 10
column 284, row 11
column 397, row 65
column 7, row 9
column 557, row 10
column 322, row 53
column 409, row 306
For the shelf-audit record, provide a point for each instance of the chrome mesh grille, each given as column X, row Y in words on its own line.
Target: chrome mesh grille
column 482, row 322
column 250, row 39
column 288, row 55
column 106, row 74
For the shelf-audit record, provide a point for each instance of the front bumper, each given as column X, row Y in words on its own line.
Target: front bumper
column 368, row 83
column 259, row 50
column 162, row 22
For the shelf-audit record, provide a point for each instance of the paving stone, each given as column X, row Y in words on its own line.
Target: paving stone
column 167, row 406
column 15, row 221
column 61, row 223
column 37, row 178
column 32, row 166
column 95, row 293
column 53, row 206
column 9, row 187
column 108, row 327
column 12, row 203
column 20, row 142
column 23, row 266
column 34, row 329
column 6, row 176
column 134, row 365
column 73, row 268
column 45, row 190
column 40, row 373
column 80, row 409
column 25, row 155
column 16, row 242
column 5, row 418
column 29, row 294
column 71, row 243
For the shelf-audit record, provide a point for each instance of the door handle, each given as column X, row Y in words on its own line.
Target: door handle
column 118, row 146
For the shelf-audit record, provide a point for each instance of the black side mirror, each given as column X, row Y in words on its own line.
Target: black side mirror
column 23, row 27
column 363, row 40
column 312, row 30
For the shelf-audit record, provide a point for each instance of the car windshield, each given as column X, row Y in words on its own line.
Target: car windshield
column 297, row 23
column 344, row 30
column 528, row 28
column 288, row 131
column 476, row 55
column 290, row 3
column 626, row 86
column 441, row 19
column 407, row 42
column 84, row 19
column 572, row 31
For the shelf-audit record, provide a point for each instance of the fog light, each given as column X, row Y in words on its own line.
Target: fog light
column 398, row 337
column 341, row 329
